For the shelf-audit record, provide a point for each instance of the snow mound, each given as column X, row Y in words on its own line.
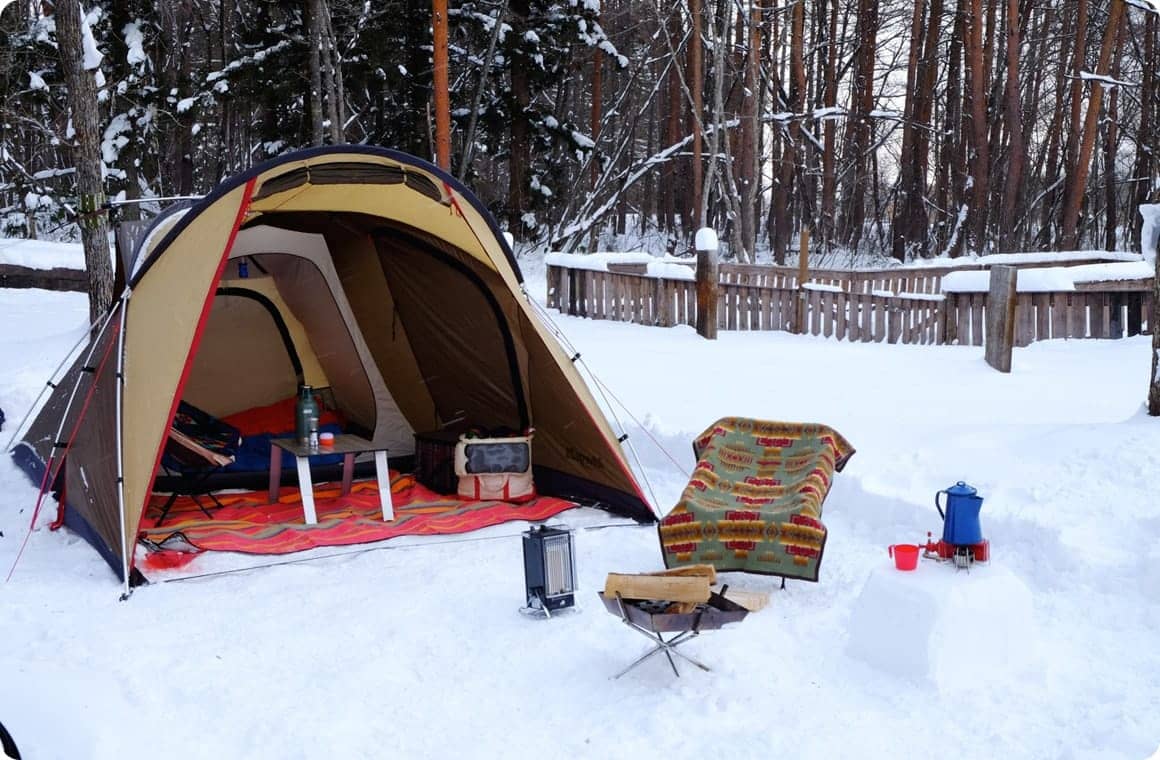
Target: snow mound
column 955, row 628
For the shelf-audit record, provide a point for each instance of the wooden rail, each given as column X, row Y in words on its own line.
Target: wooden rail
column 860, row 309
column 16, row 276
column 927, row 280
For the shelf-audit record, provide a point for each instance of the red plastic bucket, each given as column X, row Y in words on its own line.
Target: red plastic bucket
column 905, row 556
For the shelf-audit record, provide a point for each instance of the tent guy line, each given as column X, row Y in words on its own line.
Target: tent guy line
column 569, row 346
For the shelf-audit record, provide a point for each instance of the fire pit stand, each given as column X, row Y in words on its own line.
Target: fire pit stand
column 686, row 626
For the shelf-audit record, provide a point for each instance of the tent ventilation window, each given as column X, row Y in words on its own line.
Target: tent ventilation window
column 353, row 174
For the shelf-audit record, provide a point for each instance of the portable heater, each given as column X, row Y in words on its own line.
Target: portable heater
column 549, row 569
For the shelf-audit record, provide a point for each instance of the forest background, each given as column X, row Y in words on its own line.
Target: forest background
column 902, row 128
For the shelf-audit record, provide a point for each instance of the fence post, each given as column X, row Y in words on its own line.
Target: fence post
column 1001, row 317
column 708, row 285
column 800, row 326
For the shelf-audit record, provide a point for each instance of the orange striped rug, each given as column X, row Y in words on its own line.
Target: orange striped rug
column 248, row 523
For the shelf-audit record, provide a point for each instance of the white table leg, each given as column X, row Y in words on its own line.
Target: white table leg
column 383, row 474
column 306, row 487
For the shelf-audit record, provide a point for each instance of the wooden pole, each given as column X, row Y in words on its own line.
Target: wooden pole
column 1152, row 242
column 1001, row 317
column 442, row 97
column 799, row 324
column 708, row 285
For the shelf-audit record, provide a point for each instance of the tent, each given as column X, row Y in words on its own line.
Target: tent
column 362, row 270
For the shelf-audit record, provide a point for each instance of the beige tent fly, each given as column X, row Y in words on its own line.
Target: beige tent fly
column 399, row 295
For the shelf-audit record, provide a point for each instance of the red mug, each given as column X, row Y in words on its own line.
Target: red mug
column 905, row 556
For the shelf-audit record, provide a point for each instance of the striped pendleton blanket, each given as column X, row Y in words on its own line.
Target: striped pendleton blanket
column 754, row 502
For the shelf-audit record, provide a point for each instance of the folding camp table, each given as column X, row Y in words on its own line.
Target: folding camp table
column 686, row 625
column 345, row 444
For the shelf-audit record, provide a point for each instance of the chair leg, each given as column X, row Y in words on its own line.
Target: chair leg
column 165, row 509
column 201, row 506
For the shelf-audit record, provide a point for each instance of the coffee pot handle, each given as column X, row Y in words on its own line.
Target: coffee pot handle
column 939, row 506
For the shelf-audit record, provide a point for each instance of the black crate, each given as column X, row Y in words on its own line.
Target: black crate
column 435, row 461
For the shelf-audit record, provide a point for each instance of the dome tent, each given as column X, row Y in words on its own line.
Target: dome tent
column 398, row 292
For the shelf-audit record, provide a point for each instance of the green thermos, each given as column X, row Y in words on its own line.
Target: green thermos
column 306, row 417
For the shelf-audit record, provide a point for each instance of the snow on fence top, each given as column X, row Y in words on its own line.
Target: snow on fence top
column 597, row 262
column 1050, row 279
column 669, row 267
column 41, row 254
column 1015, row 259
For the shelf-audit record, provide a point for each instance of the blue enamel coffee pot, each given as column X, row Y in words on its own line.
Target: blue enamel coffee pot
column 961, row 521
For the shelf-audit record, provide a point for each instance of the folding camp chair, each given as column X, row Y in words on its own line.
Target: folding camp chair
column 197, row 464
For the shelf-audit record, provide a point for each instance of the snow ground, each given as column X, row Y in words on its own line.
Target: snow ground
column 416, row 649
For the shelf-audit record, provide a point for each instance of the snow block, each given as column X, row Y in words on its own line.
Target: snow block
column 951, row 627
column 1150, row 234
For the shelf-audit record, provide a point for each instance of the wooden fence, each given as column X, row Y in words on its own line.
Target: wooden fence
column 16, row 276
column 852, row 308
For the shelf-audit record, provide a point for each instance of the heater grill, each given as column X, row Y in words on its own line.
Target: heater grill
column 558, row 560
column 549, row 570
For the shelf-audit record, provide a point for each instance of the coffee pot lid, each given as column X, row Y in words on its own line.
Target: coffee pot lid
column 961, row 489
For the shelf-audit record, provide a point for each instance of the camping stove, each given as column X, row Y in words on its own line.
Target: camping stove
column 962, row 555
column 962, row 540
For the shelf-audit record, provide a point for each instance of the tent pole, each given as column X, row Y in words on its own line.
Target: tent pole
column 55, row 376
column 48, row 477
column 125, row 548
column 72, row 397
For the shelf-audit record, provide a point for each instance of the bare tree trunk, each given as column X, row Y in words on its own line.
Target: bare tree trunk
column 82, row 95
column 1075, row 190
column 978, row 138
column 951, row 177
column 798, row 91
column 1148, row 138
column 314, row 33
column 1055, row 143
column 781, row 236
column 469, row 138
column 719, row 135
column 521, row 149
column 439, row 83
column 910, row 225
column 830, row 101
column 326, row 51
column 900, row 225
column 750, row 160
column 597, row 98
column 857, row 142
column 1073, row 128
column 1013, row 182
column 697, row 85
column 671, row 198
column 1111, row 142
column 335, row 61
